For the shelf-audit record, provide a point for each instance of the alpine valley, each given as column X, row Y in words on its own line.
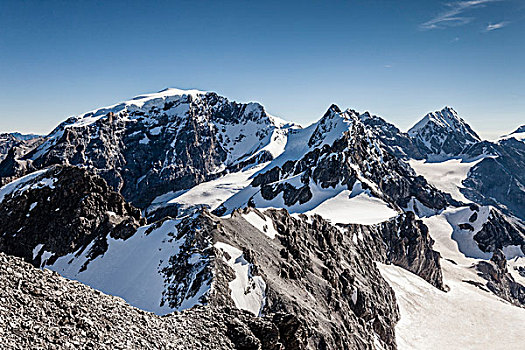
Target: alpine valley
column 183, row 220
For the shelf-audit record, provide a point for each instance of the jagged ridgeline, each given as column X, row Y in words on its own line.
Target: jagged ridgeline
column 271, row 235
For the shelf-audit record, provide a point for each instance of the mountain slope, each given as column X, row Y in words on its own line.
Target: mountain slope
column 305, row 222
column 167, row 141
column 338, row 155
column 42, row 309
column 442, row 134
column 205, row 260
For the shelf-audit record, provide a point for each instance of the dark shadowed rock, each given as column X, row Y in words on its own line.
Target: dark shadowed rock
column 500, row 281
column 62, row 210
column 500, row 231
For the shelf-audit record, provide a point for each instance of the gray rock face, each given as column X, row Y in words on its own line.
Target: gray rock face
column 159, row 143
column 61, row 210
column 317, row 272
column 40, row 309
column 500, row 282
column 500, row 180
column 442, row 133
column 357, row 155
column 410, row 246
column 500, row 231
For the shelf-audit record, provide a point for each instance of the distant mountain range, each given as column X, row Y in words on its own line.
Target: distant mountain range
column 324, row 235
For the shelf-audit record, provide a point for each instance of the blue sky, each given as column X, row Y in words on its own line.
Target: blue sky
column 398, row 59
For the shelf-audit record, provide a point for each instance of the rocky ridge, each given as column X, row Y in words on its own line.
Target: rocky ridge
column 162, row 142
column 500, row 282
column 353, row 157
column 61, row 210
column 42, row 310
column 443, row 133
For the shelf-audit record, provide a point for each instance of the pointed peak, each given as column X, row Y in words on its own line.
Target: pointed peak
column 519, row 130
column 518, row 134
column 447, row 118
column 449, row 109
column 332, row 109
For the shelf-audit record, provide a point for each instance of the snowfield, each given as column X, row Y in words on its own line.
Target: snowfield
column 465, row 317
column 349, row 208
column 211, row 193
column 130, row 269
column 338, row 205
column 247, row 291
column 446, row 176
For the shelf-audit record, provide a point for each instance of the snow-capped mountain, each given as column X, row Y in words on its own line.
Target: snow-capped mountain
column 451, row 153
column 266, row 263
column 322, row 237
column 17, row 142
column 518, row 134
column 161, row 142
column 443, row 134
column 337, row 162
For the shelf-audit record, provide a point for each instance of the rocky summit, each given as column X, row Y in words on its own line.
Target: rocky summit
column 184, row 220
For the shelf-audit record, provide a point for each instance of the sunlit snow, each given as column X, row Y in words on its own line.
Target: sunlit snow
column 247, row 291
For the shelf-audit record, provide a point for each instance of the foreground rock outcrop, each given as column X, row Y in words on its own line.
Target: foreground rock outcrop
column 500, row 281
column 41, row 310
column 60, row 210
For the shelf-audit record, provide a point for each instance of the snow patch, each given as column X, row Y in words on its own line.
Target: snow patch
column 263, row 224
column 36, row 250
column 27, row 182
column 131, row 268
column 446, row 176
column 346, row 208
column 247, row 291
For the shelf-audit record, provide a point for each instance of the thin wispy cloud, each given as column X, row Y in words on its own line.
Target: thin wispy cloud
column 455, row 14
column 491, row 27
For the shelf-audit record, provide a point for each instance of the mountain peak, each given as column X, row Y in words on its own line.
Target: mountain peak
column 443, row 133
column 332, row 110
column 519, row 130
column 518, row 134
column 446, row 118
